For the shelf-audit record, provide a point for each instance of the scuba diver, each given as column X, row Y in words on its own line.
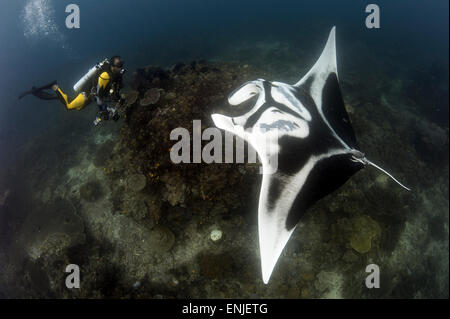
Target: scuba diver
column 103, row 81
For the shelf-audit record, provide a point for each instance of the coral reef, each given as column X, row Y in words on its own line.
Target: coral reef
column 216, row 266
column 103, row 153
column 91, row 191
column 53, row 229
column 216, row 235
column 162, row 238
column 151, row 97
column 131, row 97
column 136, row 182
column 364, row 229
column 143, row 227
column 329, row 282
column 189, row 92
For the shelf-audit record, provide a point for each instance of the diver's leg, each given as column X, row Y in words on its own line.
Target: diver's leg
column 77, row 103
column 62, row 97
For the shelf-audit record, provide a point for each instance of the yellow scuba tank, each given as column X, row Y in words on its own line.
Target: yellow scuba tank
column 88, row 76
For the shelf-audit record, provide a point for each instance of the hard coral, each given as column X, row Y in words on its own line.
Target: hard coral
column 364, row 230
column 103, row 153
column 150, row 97
column 91, row 191
column 136, row 182
column 131, row 97
column 193, row 91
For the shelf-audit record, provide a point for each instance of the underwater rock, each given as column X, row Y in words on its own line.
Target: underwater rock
column 179, row 68
column 382, row 180
column 219, row 210
column 150, row 97
column 364, row 229
column 51, row 229
column 330, row 283
column 53, row 244
column 103, row 153
column 131, row 98
column 145, row 102
column 171, row 96
column 188, row 94
column 162, row 238
column 175, row 189
column 216, row 266
column 138, row 209
column 136, row 182
column 91, row 191
column 175, row 194
column 350, row 109
column 350, row 257
column 216, row 235
column 155, row 210
column 148, row 77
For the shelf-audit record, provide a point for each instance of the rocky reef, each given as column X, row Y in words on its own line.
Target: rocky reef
column 162, row 100
column 140, row 226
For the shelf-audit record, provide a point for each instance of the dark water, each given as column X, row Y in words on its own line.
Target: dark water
column 405, row 62
column 413, row 36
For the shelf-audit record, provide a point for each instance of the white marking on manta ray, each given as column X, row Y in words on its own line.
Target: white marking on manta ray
column 272, row 216
column 282, row 93
column 273, row 235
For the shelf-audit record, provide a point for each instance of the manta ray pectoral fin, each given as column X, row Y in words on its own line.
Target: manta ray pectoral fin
column 273, row 234
column 321, row 83
column 285, row 196
column 326, row 63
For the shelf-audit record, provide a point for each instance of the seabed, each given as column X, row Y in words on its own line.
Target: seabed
column 109, row 199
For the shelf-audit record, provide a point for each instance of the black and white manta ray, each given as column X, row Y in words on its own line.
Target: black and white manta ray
column 315, row 146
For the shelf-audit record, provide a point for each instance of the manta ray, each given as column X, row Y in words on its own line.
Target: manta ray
column 315, row 147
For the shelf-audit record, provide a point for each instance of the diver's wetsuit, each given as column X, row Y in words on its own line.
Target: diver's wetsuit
column 103, row 81
column 41, row 93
